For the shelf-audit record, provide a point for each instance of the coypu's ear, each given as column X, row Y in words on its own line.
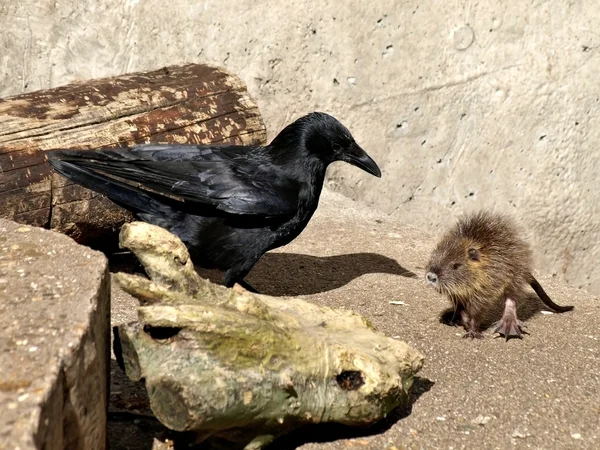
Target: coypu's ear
column 473, row 254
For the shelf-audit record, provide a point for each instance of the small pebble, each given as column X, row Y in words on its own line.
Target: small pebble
column 440, row 418
column 481, row 420
column 576, row 435
column 519, row 434
column 397, row 303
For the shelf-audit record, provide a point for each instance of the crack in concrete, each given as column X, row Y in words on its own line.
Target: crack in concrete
column 436, row 87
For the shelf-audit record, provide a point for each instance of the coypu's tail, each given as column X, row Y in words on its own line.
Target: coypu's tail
column 537, row 287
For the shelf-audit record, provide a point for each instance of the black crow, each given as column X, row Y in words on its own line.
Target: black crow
column 229, row 204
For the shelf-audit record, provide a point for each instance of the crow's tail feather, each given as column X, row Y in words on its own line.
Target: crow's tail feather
column 124, row 195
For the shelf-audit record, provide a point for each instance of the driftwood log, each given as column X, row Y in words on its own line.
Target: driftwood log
column 238, row 369
column 181, row 104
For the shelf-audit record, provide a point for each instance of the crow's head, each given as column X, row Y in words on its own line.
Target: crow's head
column 324, row 137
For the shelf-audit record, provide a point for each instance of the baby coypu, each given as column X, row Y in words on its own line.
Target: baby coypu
column 484, row 268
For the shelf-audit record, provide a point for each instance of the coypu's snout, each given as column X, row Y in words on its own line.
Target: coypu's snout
column 432, row 278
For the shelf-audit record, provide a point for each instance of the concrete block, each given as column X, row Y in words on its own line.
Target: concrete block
column 54, row 341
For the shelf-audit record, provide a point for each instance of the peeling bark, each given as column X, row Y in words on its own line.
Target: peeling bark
column 181, row 104
column 240, row 369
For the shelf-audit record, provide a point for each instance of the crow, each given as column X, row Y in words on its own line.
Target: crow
column 228, row 203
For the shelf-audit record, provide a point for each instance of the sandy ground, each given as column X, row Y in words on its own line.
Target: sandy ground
column 542, row 392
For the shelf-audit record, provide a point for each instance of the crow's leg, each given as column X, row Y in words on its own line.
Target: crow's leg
column 510, row 326
column 231, row 277
column 243, row 283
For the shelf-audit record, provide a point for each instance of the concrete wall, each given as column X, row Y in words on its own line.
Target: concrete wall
column 463, row 104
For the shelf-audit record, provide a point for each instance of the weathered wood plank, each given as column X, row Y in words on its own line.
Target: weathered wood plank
column 181, row 104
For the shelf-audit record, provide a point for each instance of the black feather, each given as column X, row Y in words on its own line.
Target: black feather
column 229, row 204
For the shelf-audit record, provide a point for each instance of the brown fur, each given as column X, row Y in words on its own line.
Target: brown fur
column 479, row 263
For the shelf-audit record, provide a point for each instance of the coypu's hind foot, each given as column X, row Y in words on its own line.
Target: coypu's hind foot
column 510, row 326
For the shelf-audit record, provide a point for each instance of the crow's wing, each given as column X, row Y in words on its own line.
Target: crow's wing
column 233, row 179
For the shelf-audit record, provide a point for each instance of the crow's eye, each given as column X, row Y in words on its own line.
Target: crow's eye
column 336, row 147
column 455, row 266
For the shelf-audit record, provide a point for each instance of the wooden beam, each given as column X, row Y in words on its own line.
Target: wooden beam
column 181, row 104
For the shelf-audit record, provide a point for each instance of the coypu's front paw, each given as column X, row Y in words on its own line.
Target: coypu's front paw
column 471, row 334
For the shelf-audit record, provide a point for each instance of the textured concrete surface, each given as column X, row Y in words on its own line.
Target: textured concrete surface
column 540, row 392
column 464, row 104
column 54, row 337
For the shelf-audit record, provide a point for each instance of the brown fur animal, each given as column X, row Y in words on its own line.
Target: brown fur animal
column 484, row 268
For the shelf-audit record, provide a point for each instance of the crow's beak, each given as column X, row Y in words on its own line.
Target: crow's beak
column 359, row 158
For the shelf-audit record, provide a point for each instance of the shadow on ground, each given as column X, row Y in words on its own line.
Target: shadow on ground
column 293, row 274
column 124, row 261
column 131, row 425
column 297, row 274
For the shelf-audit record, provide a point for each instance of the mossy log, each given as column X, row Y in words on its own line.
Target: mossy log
column 239, row 368
column 195, row 103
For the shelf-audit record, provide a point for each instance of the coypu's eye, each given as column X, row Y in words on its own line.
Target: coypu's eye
column 455, row 266
column 473, row 254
